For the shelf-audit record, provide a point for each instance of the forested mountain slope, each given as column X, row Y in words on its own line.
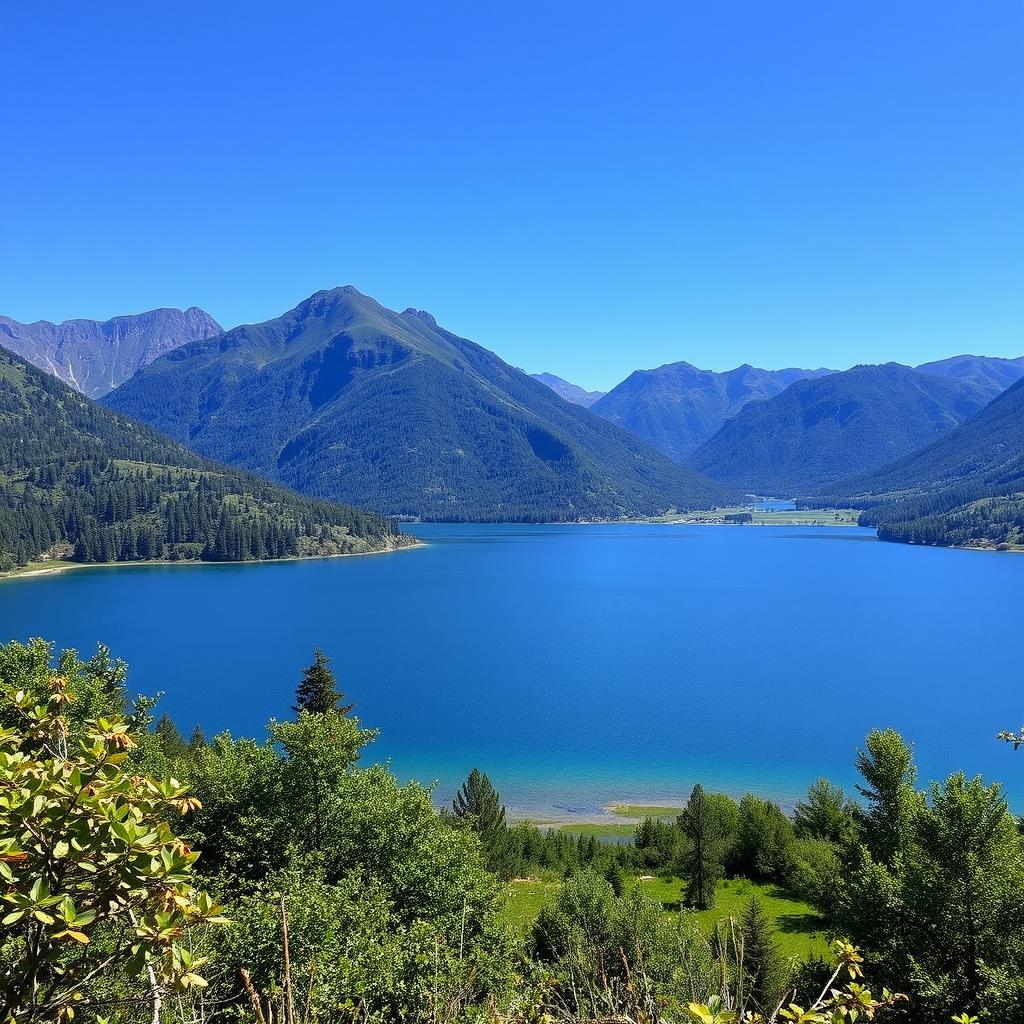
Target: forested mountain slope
column 95, row 357
column 966, row 488
column 675, row 408
column 819, row 431
column 342, row 398
column 82, row 482
column 567, row 390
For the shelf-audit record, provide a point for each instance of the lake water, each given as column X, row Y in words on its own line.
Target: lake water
column 584, row 664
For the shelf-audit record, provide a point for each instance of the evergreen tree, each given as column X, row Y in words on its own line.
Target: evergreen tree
column 702, row 861
column 172, row 743
column 317, row 691
column 197, row 741
column 887, row 766
column 824, row 814
column 764, row 971
column 479, row 805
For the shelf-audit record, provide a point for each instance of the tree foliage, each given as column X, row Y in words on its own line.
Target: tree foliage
column 96, row 881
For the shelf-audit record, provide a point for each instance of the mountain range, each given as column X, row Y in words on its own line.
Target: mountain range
column 570, row 392
column 675, row 408
column 344, row 399
column 819, row 431
column 95, row 357
column 82, row 482
column 989, row 371
column 965, row 488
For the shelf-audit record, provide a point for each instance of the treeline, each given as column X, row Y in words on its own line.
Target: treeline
column 965, row 489
column 327, row 891
column 81, row 482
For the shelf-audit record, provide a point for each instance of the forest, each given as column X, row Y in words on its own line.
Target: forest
column 150, row 877
column 82, row 483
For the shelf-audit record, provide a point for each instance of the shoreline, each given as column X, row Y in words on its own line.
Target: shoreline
column 54, row 570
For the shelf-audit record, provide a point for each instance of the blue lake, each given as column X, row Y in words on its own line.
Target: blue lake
column 584, row 664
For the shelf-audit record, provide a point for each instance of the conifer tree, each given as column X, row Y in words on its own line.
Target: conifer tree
column 764, row 972
column 702, row 862
column 479, row 805
column 887, row 766
column 197, row 741
column 318, row 691
column 172, row 743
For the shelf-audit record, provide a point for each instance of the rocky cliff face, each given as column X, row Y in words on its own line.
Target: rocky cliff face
column 96, row 357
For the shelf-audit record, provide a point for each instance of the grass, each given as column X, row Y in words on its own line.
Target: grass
column 787, row 517
column 645, row 811
column 800, row 930
column 526, row 899
column 53, row 563
column 609, row 829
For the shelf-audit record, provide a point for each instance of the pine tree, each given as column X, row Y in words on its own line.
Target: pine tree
column 172, row 743
column 317, row 691
column 702, row 862
column 764, row 972
column 197, row 741
column 479, row 805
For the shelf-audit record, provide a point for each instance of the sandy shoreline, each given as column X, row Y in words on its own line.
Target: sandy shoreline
column 52, row 570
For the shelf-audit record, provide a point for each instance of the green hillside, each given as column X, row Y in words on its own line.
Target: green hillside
column 80, row 482
column 675, row 408
column 344, row 399
column 967, row 488
column 819, row 431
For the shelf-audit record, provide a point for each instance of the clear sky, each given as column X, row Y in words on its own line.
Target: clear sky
column 584, row 187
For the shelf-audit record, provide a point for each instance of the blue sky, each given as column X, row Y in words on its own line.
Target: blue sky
column 585, row 188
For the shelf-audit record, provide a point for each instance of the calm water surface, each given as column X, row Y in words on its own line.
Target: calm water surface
column 583, row 664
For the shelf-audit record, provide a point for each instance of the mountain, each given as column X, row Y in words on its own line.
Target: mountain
column 95, row 357
column 966, row 488
column 675, row 408
column 570, row 392
column 989, row 371
column 819, row 431
column 82, row 482
column 342, row 398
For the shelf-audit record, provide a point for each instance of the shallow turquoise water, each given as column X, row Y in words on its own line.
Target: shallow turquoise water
column 582, row 664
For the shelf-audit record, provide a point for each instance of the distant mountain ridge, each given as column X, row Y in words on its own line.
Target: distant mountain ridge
column 677, row 407
column 343, row 398
column 819, row 431
column 966, row 488
column 80, row 481
column 94, row 357
column 570, row 392
column 989, row 371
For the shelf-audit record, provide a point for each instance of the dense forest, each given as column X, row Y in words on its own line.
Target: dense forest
column 341, row 398
column 965, row 489
column 80, row 482
column 289, row 879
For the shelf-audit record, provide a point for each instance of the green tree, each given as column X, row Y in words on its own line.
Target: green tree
column 824, row 814
column 86, row 854
column 887, row 766
column 320, row 749
column 197, row 740
column 944, row 913
column 707, row 834
column 318, row 691
column 764, row 971
column 764, row 844
column 171, row 742
column 479, row 805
